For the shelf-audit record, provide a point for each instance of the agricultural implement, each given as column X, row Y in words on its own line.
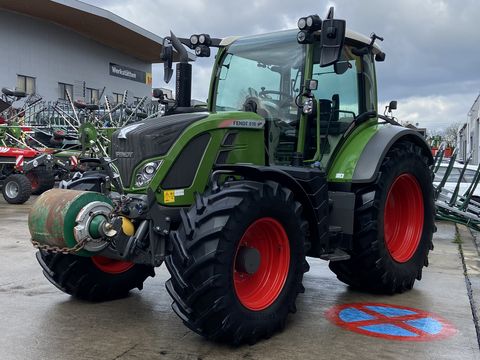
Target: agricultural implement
column 289, row 160
column 24, row 172
column 456, row 206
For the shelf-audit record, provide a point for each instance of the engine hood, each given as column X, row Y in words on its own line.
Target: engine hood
column 147, row 139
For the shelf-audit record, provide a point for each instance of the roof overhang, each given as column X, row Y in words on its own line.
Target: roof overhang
column 94, row 23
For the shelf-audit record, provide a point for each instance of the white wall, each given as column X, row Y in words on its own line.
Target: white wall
column 53, row 54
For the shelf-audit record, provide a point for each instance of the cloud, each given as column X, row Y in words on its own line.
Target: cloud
column 431, row 45
column 433, row 112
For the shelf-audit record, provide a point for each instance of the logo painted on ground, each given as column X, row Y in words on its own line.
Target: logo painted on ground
column 390, row 322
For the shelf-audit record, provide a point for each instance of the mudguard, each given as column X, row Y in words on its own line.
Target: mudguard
column 368, row 165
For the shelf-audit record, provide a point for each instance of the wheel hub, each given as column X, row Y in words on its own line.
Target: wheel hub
column 11, row 189
column 248, row 260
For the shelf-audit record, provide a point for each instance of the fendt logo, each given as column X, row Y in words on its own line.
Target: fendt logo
column 246, row 124
column 124, row 154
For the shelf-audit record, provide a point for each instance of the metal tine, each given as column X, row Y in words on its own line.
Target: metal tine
column 64, row 116
column 454, row 197
column 22, row 143
column 448, row 171
column 134, row 111
column 440, row 153
column 37, row 141
column 109, row 109
column 69, row 98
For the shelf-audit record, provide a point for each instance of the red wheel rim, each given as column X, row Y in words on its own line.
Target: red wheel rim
column 259, row 290
column 403, row 218
column 111, row 266
column 33, row 180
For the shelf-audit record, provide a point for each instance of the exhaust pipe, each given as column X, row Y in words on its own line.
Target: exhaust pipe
column 183, row 85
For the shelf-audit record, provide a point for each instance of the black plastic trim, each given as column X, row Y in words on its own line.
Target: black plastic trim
column 182, row 172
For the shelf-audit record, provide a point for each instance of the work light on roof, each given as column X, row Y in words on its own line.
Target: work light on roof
column 194, row 40
column 310, row 23
column 204, row 39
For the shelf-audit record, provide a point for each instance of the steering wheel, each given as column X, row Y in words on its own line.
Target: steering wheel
column 264, row 94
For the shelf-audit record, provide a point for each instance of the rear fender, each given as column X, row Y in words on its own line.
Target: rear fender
column 371, row 158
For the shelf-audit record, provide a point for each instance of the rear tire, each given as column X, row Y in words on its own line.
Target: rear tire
column 93, row 278
column 41, row 180
column 394, row 225
column 214, row 295
column 16, row 189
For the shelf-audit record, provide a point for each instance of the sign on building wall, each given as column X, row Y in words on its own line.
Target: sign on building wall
column 125, row 72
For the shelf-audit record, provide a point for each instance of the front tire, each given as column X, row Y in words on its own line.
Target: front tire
column 237, row 262
column 394, row 225
column 94, row 278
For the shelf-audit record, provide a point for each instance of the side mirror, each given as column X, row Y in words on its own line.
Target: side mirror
column 340, row 67
column 392, row 105
column 158, row 93
column 332, row 40
column 167, row 57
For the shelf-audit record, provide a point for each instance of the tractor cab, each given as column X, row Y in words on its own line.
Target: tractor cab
column 268, row 75
column 312, row 86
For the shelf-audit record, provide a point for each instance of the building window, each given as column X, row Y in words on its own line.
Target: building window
column 117, row 98
column 63, row 89
column 92, row 96
column 26, row 84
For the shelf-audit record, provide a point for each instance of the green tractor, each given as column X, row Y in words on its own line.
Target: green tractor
column 289, row 160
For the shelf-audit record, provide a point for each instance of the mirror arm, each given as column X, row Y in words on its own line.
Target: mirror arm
column 365, row 116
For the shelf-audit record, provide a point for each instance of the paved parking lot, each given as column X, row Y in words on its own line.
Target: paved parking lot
column 39, row 322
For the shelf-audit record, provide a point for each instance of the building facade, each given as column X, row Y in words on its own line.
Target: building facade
column 48, row 51
column 468, row 135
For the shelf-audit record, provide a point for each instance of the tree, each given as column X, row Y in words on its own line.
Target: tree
column 450, row 133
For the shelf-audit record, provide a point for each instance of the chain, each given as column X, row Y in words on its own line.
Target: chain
column 61, row 250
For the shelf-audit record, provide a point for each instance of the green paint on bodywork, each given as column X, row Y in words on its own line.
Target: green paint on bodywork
column 248, row 148
column 95, row 225
column 52, row 218
column 72, row 212
column 346, row 159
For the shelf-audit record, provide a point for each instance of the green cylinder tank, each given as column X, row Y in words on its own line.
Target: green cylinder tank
column 52, row 219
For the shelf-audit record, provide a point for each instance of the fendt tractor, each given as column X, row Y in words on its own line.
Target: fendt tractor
column 290, row 159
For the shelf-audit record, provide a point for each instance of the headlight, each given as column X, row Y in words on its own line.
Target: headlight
column 150, row 168
column 146, row 173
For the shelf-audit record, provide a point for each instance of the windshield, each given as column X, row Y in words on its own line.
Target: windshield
column 261, row 74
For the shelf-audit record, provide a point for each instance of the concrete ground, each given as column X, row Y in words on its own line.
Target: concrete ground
column 37, row 321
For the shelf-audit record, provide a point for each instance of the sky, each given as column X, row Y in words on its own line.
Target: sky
column 432, row 65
